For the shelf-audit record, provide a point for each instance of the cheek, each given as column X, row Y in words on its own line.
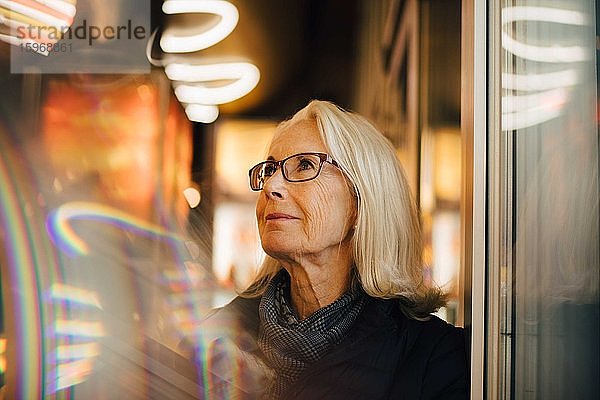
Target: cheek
column 260, row 206
column 312, row 204
column 327, row 210
column 260, row 210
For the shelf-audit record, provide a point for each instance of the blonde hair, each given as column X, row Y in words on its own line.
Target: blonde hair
column 387, row 240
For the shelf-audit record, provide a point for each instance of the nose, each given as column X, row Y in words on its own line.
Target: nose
column 275, row 186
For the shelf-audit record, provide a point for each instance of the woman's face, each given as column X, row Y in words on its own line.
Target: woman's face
column 304, row 219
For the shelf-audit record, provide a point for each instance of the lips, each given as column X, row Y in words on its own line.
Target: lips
column 279, row 216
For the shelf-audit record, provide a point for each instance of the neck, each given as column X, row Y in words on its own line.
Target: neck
column 315, row 284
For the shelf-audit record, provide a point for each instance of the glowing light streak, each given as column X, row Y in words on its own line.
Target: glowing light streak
column 79, row 328
column 60, row 6
column 74, row 361
column 41, row 6
column 523, row 111
column 73, row 294
column 171, row 43
column 543, row 14
column 529, row 117
column 201, row 113
column 44, row 16
column 69, row 374
column 13, row 24
column 245, row 77
column 76, row 351
column 192, row 196
column 11, row 15
column 551, row 98
column 539, row 82
column 63, row 235
column 554, row 53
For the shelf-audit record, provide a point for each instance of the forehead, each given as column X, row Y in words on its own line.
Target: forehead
column 299, row 137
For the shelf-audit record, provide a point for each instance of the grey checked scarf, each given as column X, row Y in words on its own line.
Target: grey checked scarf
column 290, row 345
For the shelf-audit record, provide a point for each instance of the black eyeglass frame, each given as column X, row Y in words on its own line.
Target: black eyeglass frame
column 323, row 157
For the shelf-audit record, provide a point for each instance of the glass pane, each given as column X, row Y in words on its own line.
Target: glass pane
column 549, row 109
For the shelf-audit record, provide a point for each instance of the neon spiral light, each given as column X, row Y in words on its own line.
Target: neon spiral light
column 171, row 43
column 190, row 81
column 552, row 53
column 245, row 77
column 546, row 94
column 202, row 113
column 48, row 15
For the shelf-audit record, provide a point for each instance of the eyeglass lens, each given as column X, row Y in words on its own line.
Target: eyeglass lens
column 300, row 167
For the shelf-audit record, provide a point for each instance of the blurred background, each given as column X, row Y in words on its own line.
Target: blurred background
column 125, row 212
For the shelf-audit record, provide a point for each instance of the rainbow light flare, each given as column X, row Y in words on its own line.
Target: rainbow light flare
column 20, row 270
column 65, row 238
column 28, row 265
column 75, row 295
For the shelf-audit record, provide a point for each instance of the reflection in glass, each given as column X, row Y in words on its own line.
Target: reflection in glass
column 549, row 109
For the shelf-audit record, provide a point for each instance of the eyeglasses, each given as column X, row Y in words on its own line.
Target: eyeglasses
column 297, row 168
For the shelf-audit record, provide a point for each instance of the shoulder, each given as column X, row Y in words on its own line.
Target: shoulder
column 427, row 330
column 436, row 345
column 419, row 339
column 434, row 363
column 447, row 371
column 433, row 332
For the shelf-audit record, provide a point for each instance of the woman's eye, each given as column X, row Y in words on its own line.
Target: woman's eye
column 305, row 165
column 269, row 170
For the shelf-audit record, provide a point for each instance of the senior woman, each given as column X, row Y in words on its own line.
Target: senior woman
column 339, row 309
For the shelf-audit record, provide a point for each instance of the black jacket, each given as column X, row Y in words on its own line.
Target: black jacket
column 385, row 356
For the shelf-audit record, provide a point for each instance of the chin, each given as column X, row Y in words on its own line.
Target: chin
column 278, row 250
